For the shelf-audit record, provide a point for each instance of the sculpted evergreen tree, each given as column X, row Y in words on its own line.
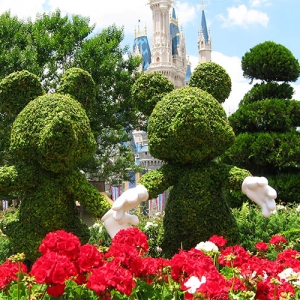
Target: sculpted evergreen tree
column 52, row 44
column 266, row 122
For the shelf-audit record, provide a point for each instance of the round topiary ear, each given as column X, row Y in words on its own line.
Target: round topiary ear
column 16, row 90
column 79, row 84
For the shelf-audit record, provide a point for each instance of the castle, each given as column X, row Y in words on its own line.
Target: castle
column 167, row 53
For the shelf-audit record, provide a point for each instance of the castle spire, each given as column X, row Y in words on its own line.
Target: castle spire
column 204, row 42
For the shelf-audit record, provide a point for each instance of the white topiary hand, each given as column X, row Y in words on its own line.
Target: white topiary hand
column 117, row 217
column 258, row 190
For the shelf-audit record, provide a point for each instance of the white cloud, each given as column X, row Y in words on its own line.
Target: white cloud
column 105, row 13
column 296, row 87
column 21, row 8
column 185, row 12
column 256, row 3
column 242, row 16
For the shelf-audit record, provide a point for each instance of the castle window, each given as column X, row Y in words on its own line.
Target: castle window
column 158, row 59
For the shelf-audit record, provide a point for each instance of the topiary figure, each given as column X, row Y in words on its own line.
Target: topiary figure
column 49, row 137
column 188, row 129
column 213, row 79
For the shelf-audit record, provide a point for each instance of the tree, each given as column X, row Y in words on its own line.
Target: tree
column 52, row 44
column 269, row 61
column 213, row 79
column 267, row 142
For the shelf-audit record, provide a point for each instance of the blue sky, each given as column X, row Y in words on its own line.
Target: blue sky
column 235, row 25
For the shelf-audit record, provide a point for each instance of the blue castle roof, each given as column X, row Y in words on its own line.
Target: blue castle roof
column 144, row 48
column 204, row 27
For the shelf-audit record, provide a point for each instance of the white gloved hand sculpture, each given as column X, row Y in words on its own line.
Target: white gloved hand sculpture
column 117, row 217
column 258, row 190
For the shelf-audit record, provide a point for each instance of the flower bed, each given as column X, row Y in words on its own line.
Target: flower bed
column 211, row 270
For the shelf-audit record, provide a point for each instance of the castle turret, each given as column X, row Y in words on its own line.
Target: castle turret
column 168, row 53
column 204, row 40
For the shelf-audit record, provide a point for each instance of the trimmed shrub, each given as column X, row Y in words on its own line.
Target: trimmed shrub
column 213, row 79
column 270, row 90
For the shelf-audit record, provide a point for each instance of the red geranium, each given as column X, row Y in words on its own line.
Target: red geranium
column 108, row 277
column 132, row 237
column 53, row 269
column 8, row 272
column 125, row 256
column 261, row 246
column 61, row 242
column 278, row 239
column 220, row 241
column 89, row 258
column 233, row 256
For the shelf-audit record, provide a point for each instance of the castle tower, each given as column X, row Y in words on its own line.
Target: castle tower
column 204, row 40
column 168, row 53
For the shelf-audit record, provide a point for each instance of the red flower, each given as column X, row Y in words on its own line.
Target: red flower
column 190, row 263
column 277, row 239
column 8, row 272
column 111, row 276
column 89, row 257
column 53, row 269
column 132, row 237
column 233, row 256
column 261, row 246
column 290, row 258
column 61, row 242
column 125, row 256
column 56, row 289
column 220, row 241
column 274, row 289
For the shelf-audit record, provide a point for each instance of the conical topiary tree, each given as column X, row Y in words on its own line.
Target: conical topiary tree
column 266, row 122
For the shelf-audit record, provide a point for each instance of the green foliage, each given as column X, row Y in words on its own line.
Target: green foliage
column 287, row 186
column 269, row 61
column 213, row 79
column 99, row 235
column 267, row 142
column 153, row 228
column 53, row 44
column 269, row 90
column 5, row 248
column 254, row 227
column 79, row 84
column 265, row 153
column 149, row 89
column 185, row 124
column 275, row 115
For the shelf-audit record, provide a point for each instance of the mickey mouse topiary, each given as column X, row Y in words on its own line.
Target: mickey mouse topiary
column 49, row 138
column 188, row 129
